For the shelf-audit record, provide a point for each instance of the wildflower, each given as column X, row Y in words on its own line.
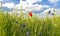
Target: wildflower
column 27, row 33
column 30, row 14
column 49, row 12
column 23, row 25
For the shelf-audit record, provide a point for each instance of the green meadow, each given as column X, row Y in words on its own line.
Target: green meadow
column 13, row 25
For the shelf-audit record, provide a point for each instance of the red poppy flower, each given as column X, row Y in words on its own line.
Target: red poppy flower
column 30, row 14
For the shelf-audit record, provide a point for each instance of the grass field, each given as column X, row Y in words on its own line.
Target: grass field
column 12, row 25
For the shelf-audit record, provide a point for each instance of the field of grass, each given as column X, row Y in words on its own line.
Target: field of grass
column 12, row 25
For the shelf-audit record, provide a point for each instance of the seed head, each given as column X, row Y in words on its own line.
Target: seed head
column 16, row 21
column 40, row 34
column 52, row 14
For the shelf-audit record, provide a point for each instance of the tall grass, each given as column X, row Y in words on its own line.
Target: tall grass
column 12, row 25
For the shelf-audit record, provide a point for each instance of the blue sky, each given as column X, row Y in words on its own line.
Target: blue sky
column 42, row 5
column 42, row 2
column 49, row 3
column 33, row 5
column 39, row 7
column 46, row 2
column 11, row 1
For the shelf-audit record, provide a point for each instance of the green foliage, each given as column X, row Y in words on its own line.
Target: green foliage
column 12, row 25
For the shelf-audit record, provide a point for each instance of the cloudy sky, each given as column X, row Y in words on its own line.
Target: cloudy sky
column 31, row 5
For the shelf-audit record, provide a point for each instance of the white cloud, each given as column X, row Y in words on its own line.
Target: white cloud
column 30, row 7
column 46, row 6
column 32, row 1
column 35, row 7
column 9, row 5
column 23, row 3
column 57, row 11
column 53, row 1
column 17, row 6
column 25, row 6
column 29, row 1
